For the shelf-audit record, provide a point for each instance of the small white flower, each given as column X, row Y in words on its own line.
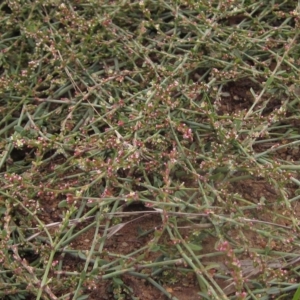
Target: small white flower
column 19, row 143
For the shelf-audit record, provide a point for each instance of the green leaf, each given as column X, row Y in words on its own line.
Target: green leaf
column 204, row 296
column 81, row 255
column 155, row 248
column 95, row 271
column 118, row 281
column 63, row 203
column 269, row 81
column 195, row 247
column 83, row 297
column 2, row 210
column 297, row 294
column 3, row 233
column 18, row 128
column 102, row 262
column 273, row 291
column 82, row 275
column 160, row 258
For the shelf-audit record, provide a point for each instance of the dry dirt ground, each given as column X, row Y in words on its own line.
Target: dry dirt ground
column 237, row 97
